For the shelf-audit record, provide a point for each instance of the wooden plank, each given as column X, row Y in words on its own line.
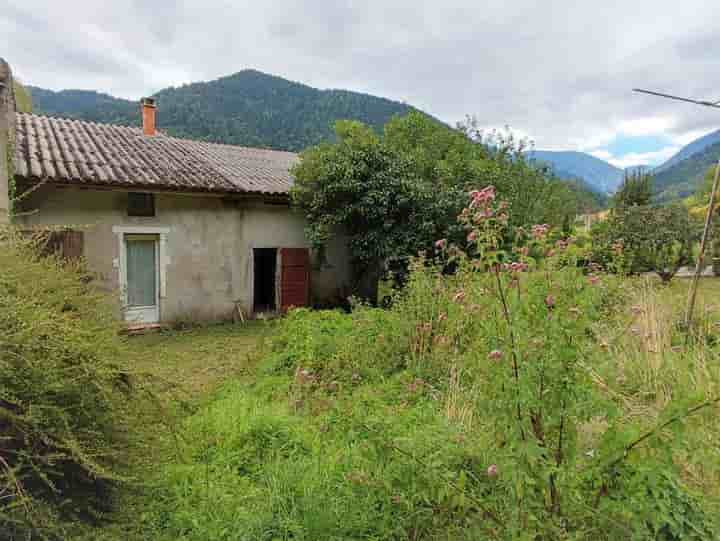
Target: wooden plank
column 294, row 277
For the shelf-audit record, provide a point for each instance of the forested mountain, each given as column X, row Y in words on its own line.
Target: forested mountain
column 598, row 174
column 698, row 145
column 683, row 178
column 248, row 108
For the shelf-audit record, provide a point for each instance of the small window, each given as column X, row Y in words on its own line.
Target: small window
column 141, row 204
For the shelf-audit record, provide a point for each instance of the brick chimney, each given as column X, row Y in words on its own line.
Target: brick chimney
column 7, row 137
column 148, row 115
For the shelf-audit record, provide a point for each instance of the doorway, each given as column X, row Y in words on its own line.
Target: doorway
column 141, row 279
column 264, row 276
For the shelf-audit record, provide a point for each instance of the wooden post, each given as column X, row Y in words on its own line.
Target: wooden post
column 706, row 233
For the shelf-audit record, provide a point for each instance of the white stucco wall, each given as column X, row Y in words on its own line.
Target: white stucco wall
column 208, row 249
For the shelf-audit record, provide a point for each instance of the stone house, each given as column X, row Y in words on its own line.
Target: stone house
column 179, row 228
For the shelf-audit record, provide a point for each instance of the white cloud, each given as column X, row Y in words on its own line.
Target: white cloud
column 639, row 158
column 653, row 125
column 562, row 70
column 602, row 154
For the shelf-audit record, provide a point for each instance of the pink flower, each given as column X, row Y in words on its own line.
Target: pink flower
column 440, row 244
column 472, row 236
column 495, row 355
column 549, row 301
column 540, row 230
column 593, row 279
column 492, row 471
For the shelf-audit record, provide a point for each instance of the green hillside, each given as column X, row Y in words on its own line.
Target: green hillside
column 248, row 108
column 682, row 179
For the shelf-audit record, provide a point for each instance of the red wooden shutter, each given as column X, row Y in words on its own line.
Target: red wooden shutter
column 294, row 277
column 72, row 245
column 65, row 244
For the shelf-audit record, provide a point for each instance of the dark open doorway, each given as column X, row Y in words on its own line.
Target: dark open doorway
column 264, row 270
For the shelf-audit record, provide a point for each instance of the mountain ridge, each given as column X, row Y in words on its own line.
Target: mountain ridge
column 571, row 164
column 248, row 108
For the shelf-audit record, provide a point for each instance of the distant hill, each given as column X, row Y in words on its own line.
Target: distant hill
column 698, row 145
column 683, row 178
column 248, row 108
column 598, row 174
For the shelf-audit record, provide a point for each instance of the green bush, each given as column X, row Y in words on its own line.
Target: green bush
column 61, row 391
column 472, row 409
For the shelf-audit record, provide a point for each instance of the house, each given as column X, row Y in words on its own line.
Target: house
column 179, row 228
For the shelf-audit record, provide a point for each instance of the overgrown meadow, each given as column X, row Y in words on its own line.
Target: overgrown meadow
column 509, row 392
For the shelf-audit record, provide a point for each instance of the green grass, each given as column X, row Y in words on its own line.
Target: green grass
column 196, row 361
column 233, row 446
column 175, row 373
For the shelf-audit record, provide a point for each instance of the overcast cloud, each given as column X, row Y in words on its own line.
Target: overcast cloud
column 559, row 71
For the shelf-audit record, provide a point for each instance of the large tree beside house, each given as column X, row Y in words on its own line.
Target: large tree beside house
column 394, row 194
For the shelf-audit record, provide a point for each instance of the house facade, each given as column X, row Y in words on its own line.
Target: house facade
column 180, row 229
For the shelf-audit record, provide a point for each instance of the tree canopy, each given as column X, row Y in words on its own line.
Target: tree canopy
column 395, row 194
column 635, row 190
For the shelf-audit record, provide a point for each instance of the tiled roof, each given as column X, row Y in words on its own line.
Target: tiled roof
column 66, row 151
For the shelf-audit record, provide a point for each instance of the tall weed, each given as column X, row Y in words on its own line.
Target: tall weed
column 62, row 388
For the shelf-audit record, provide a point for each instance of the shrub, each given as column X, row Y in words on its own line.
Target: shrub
column 61, row 382
column 471, row 409
column 638, row 239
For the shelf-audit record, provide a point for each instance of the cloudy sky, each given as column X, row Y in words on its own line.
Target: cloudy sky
column 558, row 71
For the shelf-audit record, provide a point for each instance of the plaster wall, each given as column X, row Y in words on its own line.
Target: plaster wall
column 206, row 257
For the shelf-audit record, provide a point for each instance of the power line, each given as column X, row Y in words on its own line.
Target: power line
column 679, row 98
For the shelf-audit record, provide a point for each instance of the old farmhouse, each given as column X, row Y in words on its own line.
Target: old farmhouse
column 179, row 228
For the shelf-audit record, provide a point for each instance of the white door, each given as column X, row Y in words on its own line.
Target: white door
column 142, row 299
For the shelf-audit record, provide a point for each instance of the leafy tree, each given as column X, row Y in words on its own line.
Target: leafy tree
column 23, row 100
column 636, row 189
column 394, row 195
column 646, row 238
column 361, row 187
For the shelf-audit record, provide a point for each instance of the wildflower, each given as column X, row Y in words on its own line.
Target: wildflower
column 440, row 244
column 492, row 471
column 495, row 355
column 540, row 230
column 459, row 296
column 549, row 301
column 593, row 279
column 472, row 236
column 550, row 253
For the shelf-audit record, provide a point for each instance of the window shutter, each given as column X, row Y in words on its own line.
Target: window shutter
column 66, row 244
